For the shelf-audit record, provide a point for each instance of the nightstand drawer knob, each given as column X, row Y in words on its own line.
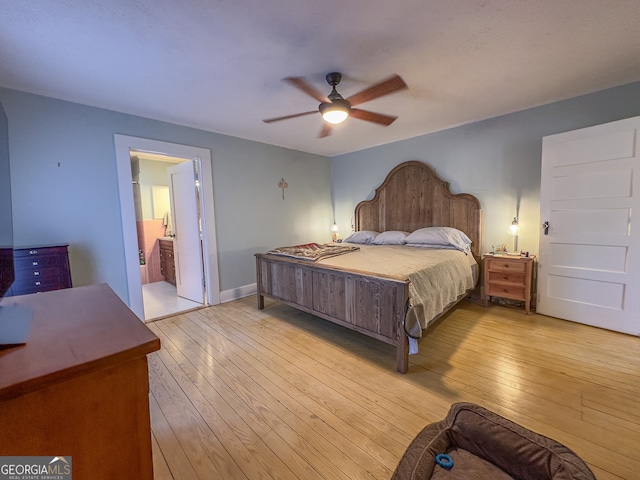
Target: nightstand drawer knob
column 35, row 263
column 36, row 274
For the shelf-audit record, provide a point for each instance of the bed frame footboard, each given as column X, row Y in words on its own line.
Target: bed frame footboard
column 370, row 304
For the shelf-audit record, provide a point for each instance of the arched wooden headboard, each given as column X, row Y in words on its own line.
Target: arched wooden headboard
column 412, row 197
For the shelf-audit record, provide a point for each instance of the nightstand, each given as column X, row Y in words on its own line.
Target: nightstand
column 508, row 277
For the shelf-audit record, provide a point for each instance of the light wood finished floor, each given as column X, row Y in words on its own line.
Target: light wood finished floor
column 240, row 393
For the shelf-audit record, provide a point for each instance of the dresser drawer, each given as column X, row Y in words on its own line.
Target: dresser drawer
column 38, row 262
column 38, row 251
column 506, row 265
column 37, row 273
column 39, row 284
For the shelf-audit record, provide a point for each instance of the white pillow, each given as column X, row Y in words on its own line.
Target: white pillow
column 392, row 237
column 363, row 237
column 440, row 236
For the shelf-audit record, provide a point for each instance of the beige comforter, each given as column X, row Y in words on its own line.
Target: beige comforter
column 437, row 277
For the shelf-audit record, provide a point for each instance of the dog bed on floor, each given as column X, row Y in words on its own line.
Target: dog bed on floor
column 483, row 445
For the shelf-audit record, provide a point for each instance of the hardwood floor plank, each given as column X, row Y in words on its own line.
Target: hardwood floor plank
column 613, row 404
column 160, row 467
column 289, row 395
column 169, row 446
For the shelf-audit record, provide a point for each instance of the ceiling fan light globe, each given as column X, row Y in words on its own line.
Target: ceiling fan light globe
column 335, row 116
column 335, row 112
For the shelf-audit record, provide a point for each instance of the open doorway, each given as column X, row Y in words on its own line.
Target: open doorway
column 171, row 264
column 152, row 150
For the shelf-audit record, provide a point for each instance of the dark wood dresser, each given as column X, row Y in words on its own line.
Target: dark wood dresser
column 80, row 385
column 41, row 269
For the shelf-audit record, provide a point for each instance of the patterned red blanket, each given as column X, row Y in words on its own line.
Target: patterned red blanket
column 313, row 251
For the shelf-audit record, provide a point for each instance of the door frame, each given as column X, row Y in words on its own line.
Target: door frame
column 123, row 145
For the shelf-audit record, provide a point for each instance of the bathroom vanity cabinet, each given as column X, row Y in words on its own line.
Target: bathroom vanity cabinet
column 167, row 261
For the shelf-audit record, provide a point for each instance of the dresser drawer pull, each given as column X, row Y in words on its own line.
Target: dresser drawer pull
column 33, row 252
column 36, row 274
column 38, row 283
column 35, row 263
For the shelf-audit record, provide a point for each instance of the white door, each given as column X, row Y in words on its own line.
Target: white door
column 187, row 248
column 589, row 263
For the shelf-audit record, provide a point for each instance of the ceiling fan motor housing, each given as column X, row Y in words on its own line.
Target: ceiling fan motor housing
column 333, row 78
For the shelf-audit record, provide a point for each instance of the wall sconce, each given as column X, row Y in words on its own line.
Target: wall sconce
column 514, row 229
column 283, row 185
column 334, row 232
column 515, row 226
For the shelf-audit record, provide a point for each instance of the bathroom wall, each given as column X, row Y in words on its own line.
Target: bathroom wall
column 148, row 233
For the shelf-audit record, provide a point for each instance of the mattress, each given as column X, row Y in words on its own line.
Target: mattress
column 438, row 278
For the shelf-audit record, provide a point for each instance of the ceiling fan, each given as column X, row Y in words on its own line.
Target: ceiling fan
column 335, row 109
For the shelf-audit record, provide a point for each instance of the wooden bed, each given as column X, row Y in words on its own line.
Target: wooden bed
column 411, row 197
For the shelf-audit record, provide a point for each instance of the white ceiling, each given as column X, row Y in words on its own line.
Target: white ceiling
column 218, row 64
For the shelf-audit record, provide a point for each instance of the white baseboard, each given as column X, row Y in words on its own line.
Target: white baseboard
column 236, row 293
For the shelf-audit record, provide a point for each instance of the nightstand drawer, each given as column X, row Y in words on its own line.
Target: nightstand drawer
column 506, row 277
column 507, row 265
column 515, row 292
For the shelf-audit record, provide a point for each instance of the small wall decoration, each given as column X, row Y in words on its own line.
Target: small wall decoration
column 283, row 185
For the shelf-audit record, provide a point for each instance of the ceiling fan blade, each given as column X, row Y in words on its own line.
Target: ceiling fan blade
column 385, row 120
column 390, row 85
column 307, row 88
column 286, row 117
column 326, row 130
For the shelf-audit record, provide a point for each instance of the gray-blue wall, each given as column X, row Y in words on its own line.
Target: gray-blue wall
column 65, row 188
column 498, row 160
